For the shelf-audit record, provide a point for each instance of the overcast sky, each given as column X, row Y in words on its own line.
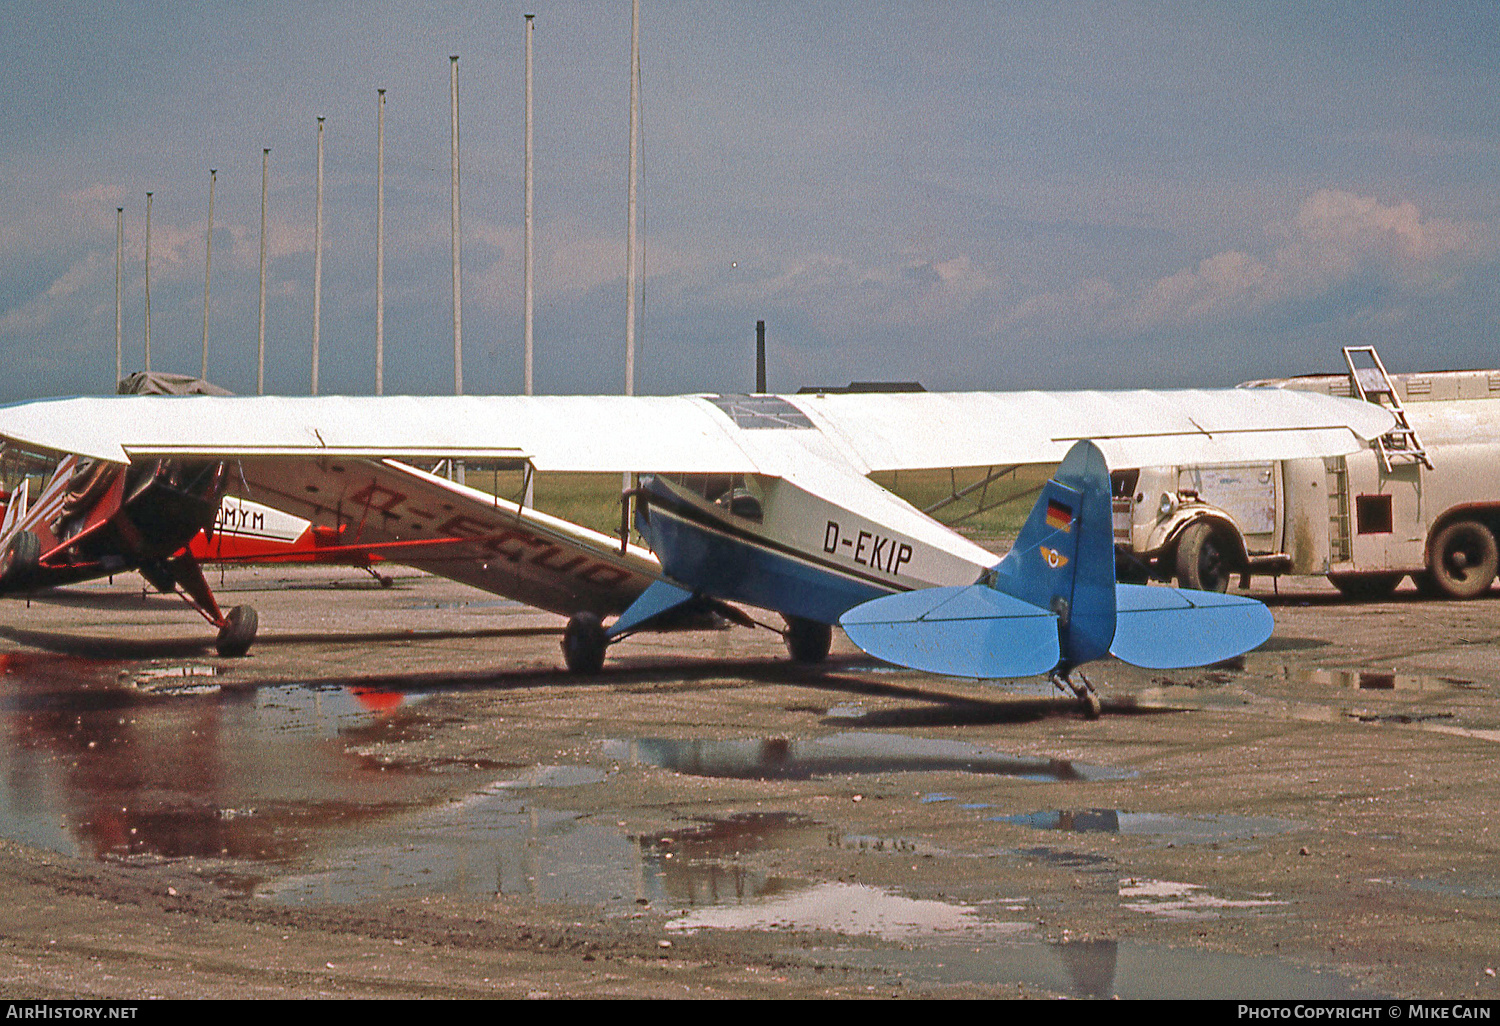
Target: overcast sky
column 980, row 195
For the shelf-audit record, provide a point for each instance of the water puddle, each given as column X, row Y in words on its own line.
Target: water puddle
column 494, row 842
column 1097, row 969
column 94, row 764
column 1467, row 888
column 1181, row 829
column 1377, row 680
column 550, row 776
column 1064, row 859
column 854, row 909
column 189, row 679
column 843, row 754
column 1172, row 900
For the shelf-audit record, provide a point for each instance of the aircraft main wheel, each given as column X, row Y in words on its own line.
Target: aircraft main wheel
column 584, row 643
column 24, row 555
column 1365, row 587
column 238, row 631
column 1464, row 559
column 807, row 640
column 1091, row 705
column 1205, row 561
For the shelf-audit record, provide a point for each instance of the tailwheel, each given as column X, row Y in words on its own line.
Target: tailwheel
column 237, row 632
column 807, row 640
column 1088, row 698
column 583, row 643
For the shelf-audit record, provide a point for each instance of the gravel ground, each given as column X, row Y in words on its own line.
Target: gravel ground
column 398, row 792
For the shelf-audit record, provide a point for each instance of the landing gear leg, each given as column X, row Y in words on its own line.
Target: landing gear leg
column 236, row 630
column 1080, row 688
column 385, row 580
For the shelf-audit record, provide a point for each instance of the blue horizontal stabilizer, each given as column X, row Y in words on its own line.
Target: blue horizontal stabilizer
column 972, row 631
column 654, row 601
column 1170, row 628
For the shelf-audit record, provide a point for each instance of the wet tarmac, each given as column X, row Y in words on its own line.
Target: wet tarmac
column 1297, row 824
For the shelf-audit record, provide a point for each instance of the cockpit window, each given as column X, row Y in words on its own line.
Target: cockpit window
column 737, row 494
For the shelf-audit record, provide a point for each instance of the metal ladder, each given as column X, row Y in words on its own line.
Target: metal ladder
column 1373, row 384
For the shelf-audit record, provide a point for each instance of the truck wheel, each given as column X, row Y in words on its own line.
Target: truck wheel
column 1365, row 587
column 1464, row 559
column 583, row 643
column 1205, row 561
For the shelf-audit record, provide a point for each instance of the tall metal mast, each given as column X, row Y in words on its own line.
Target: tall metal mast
column 119, row 308
column 458, row 307
column 260, row 355
column 380, row 245
column 318, row 265
column 635, row 118
column 148, row 282
column 529, row 221
column 208, row 257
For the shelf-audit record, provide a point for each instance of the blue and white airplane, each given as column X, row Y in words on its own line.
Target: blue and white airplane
column 759, row 500
column 1050, row 606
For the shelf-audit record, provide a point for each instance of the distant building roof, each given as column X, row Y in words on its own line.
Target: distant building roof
column 862, row 386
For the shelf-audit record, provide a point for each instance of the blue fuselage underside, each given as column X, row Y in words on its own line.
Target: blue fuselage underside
column 734, row 565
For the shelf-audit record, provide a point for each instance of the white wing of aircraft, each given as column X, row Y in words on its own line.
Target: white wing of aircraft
column 712, row 434
column 759, row 499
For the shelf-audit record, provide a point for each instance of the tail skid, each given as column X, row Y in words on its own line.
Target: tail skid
column 1052, row 603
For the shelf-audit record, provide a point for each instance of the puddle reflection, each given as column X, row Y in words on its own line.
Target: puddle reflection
column 1190, row 829
column 1102, row 969
column 1376, row 680
column 93, row 765
column 843, row 754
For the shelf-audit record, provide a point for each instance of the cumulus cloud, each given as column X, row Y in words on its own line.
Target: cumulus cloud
column 60, row 299
column 1335, row 239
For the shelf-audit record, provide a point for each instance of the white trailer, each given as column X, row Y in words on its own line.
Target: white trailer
column 1423, row 501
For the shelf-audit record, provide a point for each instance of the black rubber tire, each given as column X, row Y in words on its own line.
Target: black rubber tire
column 584, row 643
column 238, row 632
column 25, row 553
column 1365, row 587
column 1091, row 705
column 807, row 640
column 1205, row 560
column 1464, row 559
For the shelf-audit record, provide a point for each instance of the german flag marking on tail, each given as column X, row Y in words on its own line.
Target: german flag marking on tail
column 1059, row 517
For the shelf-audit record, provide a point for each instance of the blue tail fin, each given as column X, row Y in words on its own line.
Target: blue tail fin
column 1057, row 581
column 1064, row 558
